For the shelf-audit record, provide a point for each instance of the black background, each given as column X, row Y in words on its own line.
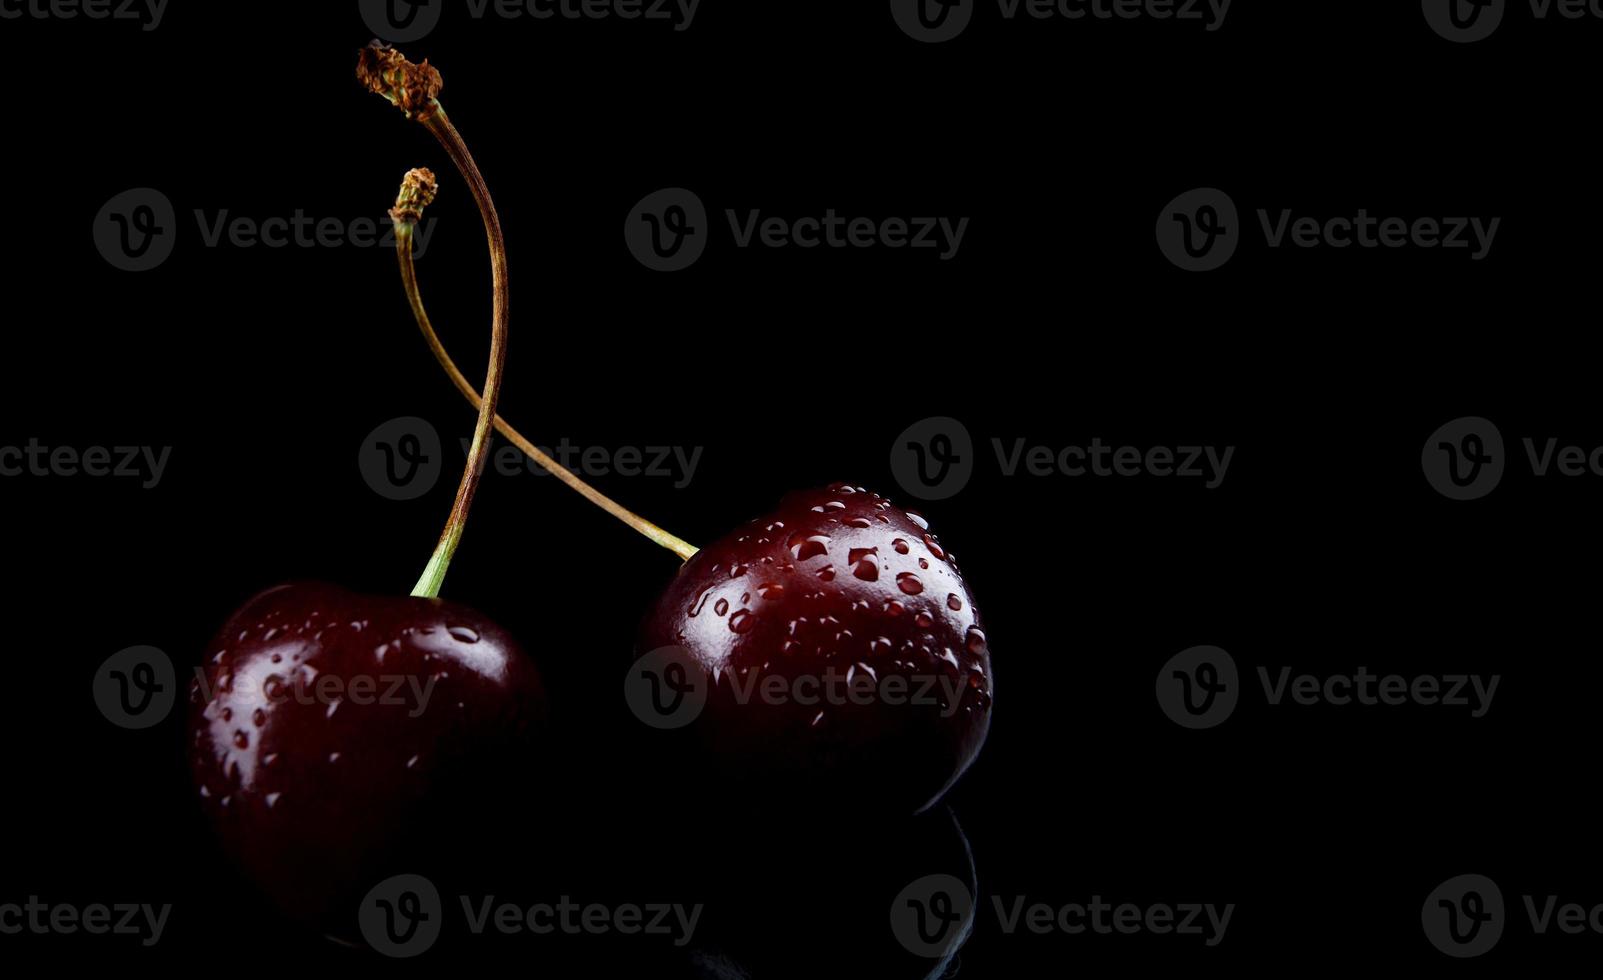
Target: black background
column 1060, row 321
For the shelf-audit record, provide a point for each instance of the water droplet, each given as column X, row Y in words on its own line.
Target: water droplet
column 463, row 634
column 923, row 621
column 701, row 600
column 976, row 640
column 269, row 759
column 953, row 602
column 412, row 762
column 721, row 606
column 865, row 563
column 272, row 799
column 241, row 740
column 827, row 573
column 742, row 621
column 259, row 717
column 900, row 544
column 879, row 646
column 918, row 519
column 934, row 546
column 771, row 590
column 909, row 583
column 228, row 714
column 805, row 546
column 894, row 607
column 333, row 757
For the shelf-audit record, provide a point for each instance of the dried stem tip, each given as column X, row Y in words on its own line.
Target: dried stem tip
column 417, row 192
column 411, row 88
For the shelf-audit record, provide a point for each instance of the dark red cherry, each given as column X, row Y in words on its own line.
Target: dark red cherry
column 338, row 738
column 841, row 653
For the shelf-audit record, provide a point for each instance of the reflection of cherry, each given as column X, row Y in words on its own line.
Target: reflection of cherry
column 336, row 737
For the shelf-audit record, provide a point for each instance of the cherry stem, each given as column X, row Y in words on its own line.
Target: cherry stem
column 407, row 214
column 414, row 89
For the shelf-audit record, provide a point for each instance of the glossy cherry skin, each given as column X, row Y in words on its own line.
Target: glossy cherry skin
column 338, row 738
column 834, row 586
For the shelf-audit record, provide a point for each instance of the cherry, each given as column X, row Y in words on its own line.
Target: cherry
column 340, row 738
column 860, row 611
column 836, row 586
column 335, row 737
